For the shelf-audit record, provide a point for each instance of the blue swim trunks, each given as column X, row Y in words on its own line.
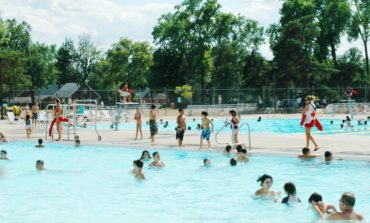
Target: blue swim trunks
column 206, row 134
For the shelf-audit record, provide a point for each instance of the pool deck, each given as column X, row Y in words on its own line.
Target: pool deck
column 346, row 146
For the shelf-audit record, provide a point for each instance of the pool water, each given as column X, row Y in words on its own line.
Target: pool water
column 93, row 184
column 278, row 126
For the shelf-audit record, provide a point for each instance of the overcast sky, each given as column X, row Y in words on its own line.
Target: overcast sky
column 108, row 20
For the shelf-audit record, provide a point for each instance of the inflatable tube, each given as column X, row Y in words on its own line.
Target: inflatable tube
column 318, row 125
column 62, row 119
column 303, row 119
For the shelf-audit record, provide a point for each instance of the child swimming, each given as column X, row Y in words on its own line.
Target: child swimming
column 145, row 156
column 227, row 150
column 319, row 207
column 157, row 160
column 138, row 169
column 306, row 154
column 292, row 194
column 207, row 163
column 242, row 156
column 266, row 184
column 4, row 155
column 40, row 165
column 39, row 145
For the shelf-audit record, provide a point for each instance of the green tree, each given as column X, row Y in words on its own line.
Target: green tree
column 360, row 27
column 293, row 42
column 40, row 66
column 128, row 61
column 14, row 44
column 66, row 63
column 333, row 18
column 86, row 60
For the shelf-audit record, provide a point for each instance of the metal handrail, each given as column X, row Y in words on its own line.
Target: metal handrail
column 232, row 138
column 218, row 132
column 249, row 134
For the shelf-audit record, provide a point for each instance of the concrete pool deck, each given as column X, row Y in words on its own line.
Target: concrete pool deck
column 346, row 146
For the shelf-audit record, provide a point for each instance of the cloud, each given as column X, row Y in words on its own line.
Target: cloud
column 108, row 20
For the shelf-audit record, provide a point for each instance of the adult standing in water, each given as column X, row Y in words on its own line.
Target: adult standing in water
column 309, row 120
column 234, row 121
column 181, row 127
column 153, row 122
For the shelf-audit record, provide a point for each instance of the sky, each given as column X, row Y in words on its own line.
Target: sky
column 106, row 21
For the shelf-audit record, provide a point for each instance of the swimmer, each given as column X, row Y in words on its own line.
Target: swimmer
column 207, row 163
column 145, row 156
column 138, row 124
column 306, row 154
column 227, row 150
column 40, row 165
column 346, row 204
column 39, row 144
column 259, row 119
column 233, row 162
column 181, row 127
column 328, row 156
column 2, row 138
column 138, row 169
column 28, row 126
column 4, row 155
column 242, row 156
column 266, row 183
column 319, row 207
column 77, row 143
column 206, row 130
column 290, row 190
column 157, row 160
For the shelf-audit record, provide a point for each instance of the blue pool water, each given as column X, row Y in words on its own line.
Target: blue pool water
column 278, row 126
column 93, row 184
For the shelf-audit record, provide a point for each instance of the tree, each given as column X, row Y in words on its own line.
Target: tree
column 360, row 26
column 66, row 63
column 293, row 42
column 86, row 60
column 128, row 61
column 40, row 66
column 14, row 44
column 333, row 18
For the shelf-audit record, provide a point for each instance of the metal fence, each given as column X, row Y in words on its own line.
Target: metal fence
column 281, row 100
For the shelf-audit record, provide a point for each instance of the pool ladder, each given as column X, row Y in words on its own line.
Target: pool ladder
column 227, row 123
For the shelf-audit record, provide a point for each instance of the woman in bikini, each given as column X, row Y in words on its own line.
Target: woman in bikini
column 234, row 121
column 309, row 120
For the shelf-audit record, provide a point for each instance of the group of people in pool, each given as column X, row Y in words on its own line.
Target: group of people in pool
column 318, row 206
column 40, row 164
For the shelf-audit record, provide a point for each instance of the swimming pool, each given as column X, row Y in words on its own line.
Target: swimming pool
column 92, row 184
column 268, row 125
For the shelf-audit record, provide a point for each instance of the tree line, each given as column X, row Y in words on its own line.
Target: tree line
column 202, row 46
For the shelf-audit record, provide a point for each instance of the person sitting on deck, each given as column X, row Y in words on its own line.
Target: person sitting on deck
column 125, row 93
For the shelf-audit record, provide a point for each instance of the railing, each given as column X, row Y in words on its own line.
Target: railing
column 227, row 123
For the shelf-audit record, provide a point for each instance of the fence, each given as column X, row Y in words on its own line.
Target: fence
column 281, row 100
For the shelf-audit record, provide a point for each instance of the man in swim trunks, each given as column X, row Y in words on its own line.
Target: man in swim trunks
column 206, row 130
column 346, row 204
column 153, row 122
column 181, row 127
column 35, row 113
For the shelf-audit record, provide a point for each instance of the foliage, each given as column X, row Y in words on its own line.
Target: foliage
column 185, row 91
